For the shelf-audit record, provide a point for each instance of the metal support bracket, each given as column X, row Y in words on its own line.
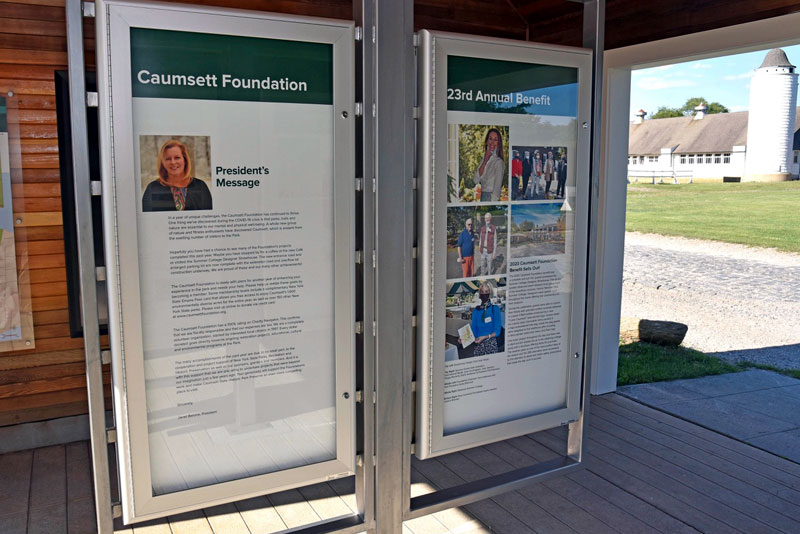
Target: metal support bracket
column 88, row 9
column 97, row 188
column 92, row 99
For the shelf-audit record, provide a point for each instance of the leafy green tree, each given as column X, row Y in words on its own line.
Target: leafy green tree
column 714, row 107
column 687, row 109
column 665, row 112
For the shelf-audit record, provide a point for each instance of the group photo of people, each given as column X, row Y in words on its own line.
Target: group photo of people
column 475, row 318
column 175, row 172
column 538, row 173
column 538, row 229
column 477, row 240
column 479, row 163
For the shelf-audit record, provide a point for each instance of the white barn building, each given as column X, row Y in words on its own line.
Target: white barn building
column 761, row 144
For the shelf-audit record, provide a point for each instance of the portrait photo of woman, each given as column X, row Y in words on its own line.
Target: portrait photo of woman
column 492, row 169
column 176, row 188
column 479, row 166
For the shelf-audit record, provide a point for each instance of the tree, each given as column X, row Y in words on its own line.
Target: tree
column 665, row 113
column 714, row 107
column 687, row 109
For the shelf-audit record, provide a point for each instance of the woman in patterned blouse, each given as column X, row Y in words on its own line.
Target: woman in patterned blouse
column 176, row 189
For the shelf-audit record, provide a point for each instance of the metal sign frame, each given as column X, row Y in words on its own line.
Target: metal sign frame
column 115, row 18
column 434, row 51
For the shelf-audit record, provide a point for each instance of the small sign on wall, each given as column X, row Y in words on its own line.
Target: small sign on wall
column 16, row 310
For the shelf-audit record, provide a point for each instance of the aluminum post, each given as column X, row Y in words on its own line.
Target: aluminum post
column 392, row 111
column 86, row 262
column 594, row 21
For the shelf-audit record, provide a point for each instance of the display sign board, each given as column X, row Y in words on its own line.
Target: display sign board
column 504, row 167
column 16, row 315
column 228, row 171
column 10, row 324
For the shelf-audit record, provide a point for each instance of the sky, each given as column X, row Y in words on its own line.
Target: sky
column 537, row 213
column 724, row 79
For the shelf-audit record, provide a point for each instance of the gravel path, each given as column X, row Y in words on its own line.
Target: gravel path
column 740, row 303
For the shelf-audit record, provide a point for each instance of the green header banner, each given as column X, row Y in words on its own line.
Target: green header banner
column 497, row 86
column 3, row 115
column 203, row 66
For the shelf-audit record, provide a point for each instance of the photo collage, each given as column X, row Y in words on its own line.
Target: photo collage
column 505, row 201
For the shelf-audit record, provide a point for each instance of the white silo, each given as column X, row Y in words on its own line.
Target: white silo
column 770, row 124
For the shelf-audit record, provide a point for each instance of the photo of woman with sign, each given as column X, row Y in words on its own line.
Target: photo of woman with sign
column 475, row 318
column 486, row 324
column 176, row 188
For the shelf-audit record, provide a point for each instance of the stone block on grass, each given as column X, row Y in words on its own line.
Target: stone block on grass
column 667, row 333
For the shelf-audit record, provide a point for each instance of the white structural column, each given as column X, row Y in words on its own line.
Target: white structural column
column 757, row 35
column 770, row 129
column 610, row 231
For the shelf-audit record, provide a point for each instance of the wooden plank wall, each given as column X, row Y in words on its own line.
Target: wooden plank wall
column 46, row 381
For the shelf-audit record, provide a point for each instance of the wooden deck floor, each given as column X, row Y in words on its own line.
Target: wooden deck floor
column 645, row 471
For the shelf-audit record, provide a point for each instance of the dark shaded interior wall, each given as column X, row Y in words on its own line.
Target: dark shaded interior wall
column 628, row 22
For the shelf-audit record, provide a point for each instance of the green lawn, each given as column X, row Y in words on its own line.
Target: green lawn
column 755, row 214
column 642, row 363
